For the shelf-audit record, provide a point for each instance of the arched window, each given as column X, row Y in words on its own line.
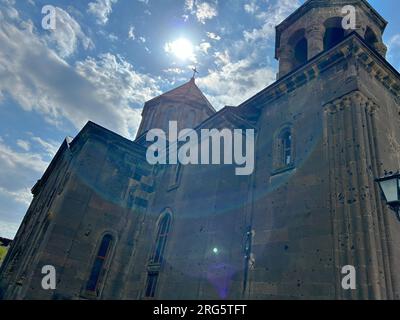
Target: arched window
column 334, row 32
column 299, row 44
column 158, row 255
column 99, row 263
column 283, row 150
column 161, row 240
column 286, row 150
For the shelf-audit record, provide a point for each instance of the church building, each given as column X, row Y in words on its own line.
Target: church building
column 115, row 227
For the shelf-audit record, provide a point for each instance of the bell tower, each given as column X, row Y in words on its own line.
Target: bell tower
column 317, row 26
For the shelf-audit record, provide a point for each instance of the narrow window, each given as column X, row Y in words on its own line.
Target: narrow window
column 99, row 263
column 158, row 255
column 283, row 150
column 152, row 279
column 162, row 234
column 286, row 148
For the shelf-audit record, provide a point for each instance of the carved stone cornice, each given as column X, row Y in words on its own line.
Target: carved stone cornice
column 352, row 47
column 355, row 98
column 378, row 67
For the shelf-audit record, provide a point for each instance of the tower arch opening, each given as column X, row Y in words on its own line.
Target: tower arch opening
column 334, row 32
column 299, row 44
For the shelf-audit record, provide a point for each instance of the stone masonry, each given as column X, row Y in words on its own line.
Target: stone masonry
column 324, row 130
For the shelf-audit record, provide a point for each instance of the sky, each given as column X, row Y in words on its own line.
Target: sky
column 105, row 58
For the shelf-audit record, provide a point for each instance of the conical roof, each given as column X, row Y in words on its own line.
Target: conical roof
column 188, row 92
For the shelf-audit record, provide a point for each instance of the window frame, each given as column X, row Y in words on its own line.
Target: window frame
column 280, row 152
column 150, row 291
column 157, row 256
column 161, row 238
column 96, row 292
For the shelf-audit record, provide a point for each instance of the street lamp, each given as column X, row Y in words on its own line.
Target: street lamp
column 390, row 186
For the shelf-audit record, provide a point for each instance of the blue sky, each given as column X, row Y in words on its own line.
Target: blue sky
column 107, row 57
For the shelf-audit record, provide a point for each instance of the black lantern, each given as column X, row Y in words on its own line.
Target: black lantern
column 390, row 186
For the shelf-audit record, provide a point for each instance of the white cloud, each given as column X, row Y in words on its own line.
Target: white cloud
column 132, row 36
column 11, row 159
column 112, row 37
column 8, row 230
column 189, row 5
column 204, row 47
column 394, row 41
column 23, row 196
column 68, row 35
column 234, row 82
column 101, row 9
column 131, row 33
column 272, row 16
column 213, row 36
column 174, row 70
column 222, row 58
column 106, row 89
column 394, row 50
column 18, row 171
column 251, row 7
column 24, row 145
column 203, row 11
column 50, row 146
column 120, row 88
column 146, row 2
column 10, row 11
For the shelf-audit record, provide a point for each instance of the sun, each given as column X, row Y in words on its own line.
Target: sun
column 181, row 48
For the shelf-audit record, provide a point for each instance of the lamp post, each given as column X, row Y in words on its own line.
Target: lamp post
column 390, row 186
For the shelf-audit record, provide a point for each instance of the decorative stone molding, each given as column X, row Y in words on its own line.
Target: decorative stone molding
column 355, row 98
column 353, row 47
